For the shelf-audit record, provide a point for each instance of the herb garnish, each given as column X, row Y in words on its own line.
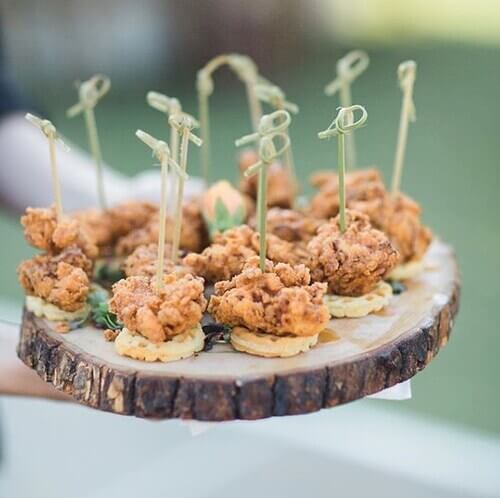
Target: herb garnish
column 216, row 333
column 99, row 311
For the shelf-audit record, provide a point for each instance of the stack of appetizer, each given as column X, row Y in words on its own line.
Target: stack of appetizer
column 270, row 274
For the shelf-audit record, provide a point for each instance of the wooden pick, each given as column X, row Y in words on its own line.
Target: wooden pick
column 343, row 124
column 246, row 70
column 271, row 126
column 168, row 106
column 183, row 124
column 89, row 93
column 407, row 73
column 49, row 130
column 349, row 67
column 275, row 97
column 161, row 152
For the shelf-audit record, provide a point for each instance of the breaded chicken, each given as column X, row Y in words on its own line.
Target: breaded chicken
column 142, row 262
column 363, row 185
column 159, row 315
column 225, row 257
column 194, row 235
column 280, row 301
column 399, row 218
column 43, row 231
column 351, row 263
column 231, row 249
column 106, row 226
column 290, row 225
column 61, row 280
column 280, row 189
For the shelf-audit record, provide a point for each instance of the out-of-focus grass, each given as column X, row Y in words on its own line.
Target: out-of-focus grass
column 451, row 168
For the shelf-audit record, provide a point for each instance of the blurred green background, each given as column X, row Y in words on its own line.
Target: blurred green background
column 451, row 168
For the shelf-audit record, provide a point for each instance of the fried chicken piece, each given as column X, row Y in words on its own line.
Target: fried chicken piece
column 364, row 185
column 130, row 215
column 157, row 314
column 106, row 226
column 225, row 257
column 290, row 225
column 280, row 189
column 352, row 263
column 231, row 249
column 399, row 218
column 194, row 235
column 43, row 231
column 280, row 301
column 97, row 224
column 61, row 280
column 142, row 262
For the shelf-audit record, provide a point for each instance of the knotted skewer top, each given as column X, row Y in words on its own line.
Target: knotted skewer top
column 407, row 73
column 161, row 151
column 182, row 122
column 341, row 125
column 348, row 69
column 89, row 93
column 271, row 126
column 47, row 128
column 162, row 103
column 274, row 96
column 242, row 65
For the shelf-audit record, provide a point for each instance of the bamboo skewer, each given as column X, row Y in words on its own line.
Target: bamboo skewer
column 275, row 97
column 89, row 93
column 161, row 152
column 407, row 72
column 349, row 67
column 246, row 70
column 49, row 130
column 183, row 124
column 271, row 126
column 343, row 124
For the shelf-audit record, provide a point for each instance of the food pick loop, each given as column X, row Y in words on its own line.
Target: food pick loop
column 349, row 68
column 274, row 96
column 182, row 122
column 161, row 151
column 271, row 126
column 407, row 73
column 90, row 92
column 48, row 129
column 341, row 125
column 162, row 103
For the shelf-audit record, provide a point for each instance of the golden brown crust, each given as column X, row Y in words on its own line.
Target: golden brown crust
column 364, row 185
column 43, row 231
column 194, row 236
column 280, row 189
column 159, row 314
column 399, row 218
column 143, row 262
column 60, row 280
column 231, row 249
column 280, row 301
column 352, row 263
column 225, row 257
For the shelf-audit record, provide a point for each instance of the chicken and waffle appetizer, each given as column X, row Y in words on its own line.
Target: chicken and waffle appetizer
column 274, row 313
column 160, row 323
column 353, row 263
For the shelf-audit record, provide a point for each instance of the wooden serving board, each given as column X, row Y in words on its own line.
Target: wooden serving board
column 354, row 358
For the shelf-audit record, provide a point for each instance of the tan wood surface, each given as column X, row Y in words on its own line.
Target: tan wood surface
column 354, row 358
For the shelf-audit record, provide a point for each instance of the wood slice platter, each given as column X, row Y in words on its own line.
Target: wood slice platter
column 354, row 358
